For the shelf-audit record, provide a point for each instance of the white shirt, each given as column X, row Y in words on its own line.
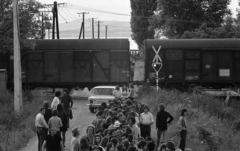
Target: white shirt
column 55, row 102
column 40, row 121
column 117, row 93
column 146, row 118
column 75, row 144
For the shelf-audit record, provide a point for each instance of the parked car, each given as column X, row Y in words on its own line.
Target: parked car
column 100, row 94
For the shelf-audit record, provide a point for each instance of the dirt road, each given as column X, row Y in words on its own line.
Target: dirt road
column 81, row 119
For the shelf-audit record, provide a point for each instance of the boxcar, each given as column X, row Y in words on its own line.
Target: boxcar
column 205, row 62
column 82, row 63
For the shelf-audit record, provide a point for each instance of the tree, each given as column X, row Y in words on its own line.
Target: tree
column 29, row 23
column 174, row 17
column 141, row 11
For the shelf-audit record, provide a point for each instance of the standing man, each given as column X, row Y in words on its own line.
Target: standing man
column 162, row 121
column 41, row 127
column 146, row 120
column 67, row 105
column 182, row 125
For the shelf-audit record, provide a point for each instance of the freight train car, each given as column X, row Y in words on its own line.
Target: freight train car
column 69, row 63
column 205, row 62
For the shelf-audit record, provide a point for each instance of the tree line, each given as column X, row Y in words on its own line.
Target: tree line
column 182, row 19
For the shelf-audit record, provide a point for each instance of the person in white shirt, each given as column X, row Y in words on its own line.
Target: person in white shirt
column 41, row 126
column 56, row 100
column 75, row 143
column 146, row 120
column 117, row 92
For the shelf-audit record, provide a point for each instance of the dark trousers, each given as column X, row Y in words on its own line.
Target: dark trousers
column 145, row 130
column 53, row 149
column 183, row 137
column 41, row 134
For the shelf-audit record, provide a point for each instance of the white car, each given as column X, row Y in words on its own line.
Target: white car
column 100, row 94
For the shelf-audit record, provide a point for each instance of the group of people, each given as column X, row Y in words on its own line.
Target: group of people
column 52, row 122
column 126, row 126
column 123, row 125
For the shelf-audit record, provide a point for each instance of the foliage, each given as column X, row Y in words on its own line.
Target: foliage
column 141, row 11
column 217, row 126
column 174, row 17
column 17, row 129
column 230, row 29
column 29, row 23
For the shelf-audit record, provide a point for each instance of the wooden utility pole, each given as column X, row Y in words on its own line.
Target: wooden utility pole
column 99, row 29
column 93, row 28
column 17, row 60
column 106, row 31
column 83, row 24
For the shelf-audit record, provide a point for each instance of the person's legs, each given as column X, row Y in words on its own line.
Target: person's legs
column 159, row 133
column 148, row 131
column 164, row 134
column 41, row 136
column 64, row 137
column 143, row 131
column 183, row 136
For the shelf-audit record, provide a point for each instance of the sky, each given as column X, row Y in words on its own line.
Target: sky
column 69, row 12
column 115, row 10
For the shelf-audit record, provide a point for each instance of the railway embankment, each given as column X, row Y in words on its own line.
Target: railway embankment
column 211, row 125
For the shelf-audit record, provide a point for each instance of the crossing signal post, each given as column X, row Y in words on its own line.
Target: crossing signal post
column 157, row 64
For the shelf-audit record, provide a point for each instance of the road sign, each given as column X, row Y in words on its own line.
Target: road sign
column 157, row 63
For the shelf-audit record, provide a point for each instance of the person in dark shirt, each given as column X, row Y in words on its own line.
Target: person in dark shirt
column 67, row 105
column 162, row 121
column 53, row 142
column 67, row 100
column 48, row 111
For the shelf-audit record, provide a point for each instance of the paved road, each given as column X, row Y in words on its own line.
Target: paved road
column 81, row 119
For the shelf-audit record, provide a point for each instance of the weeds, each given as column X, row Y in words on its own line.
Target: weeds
column 208, row 119
column 17, row 129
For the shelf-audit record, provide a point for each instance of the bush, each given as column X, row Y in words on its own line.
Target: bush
column 17, row 129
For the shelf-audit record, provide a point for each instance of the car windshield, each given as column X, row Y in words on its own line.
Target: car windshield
column 103, row 91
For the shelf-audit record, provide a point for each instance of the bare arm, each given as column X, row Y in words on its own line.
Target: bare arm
column 61, row 146
column 44, row 146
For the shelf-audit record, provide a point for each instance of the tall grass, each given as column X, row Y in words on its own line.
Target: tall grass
column 17, row 129
column 212, row 125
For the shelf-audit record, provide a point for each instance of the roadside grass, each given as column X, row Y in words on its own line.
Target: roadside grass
column 212, row 126
column 17, row 129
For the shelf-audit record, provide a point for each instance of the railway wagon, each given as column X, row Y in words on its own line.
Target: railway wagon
column 82, row 63
column 205, row 62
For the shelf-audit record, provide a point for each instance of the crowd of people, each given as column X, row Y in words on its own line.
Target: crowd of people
column 123, row 125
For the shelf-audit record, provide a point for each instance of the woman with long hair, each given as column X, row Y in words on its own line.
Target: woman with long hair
column 84, row 145
column 62, row 114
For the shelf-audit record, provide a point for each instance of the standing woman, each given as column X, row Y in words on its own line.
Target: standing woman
column 63, row 116
column 117, row 92
column 56, row 100
column 84, row 145
column 124, row 91
column 132, row 92
column 182, row 125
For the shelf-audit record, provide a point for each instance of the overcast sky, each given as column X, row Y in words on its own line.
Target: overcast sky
column 69, row 12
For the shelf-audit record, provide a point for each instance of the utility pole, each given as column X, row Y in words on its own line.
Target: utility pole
column 99, row 29
column 54, row 7
column 93, row 27
column 83, row 24
column 106, row 31
column 17, row 61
